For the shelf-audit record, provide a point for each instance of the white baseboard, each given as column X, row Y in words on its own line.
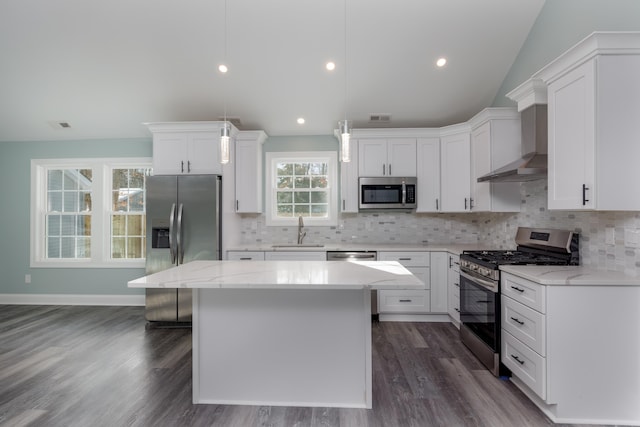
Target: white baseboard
column 70, row 299
column 388, row 317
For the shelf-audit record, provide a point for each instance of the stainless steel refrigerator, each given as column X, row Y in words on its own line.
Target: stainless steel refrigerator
column 183, row 224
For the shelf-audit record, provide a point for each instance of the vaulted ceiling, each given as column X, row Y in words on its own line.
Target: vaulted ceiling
column 105, row 67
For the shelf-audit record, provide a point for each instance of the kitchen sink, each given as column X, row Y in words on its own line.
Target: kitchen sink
column 294, row 245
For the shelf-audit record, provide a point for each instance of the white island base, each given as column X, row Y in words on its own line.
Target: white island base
column 296, row 347
column 282, row 333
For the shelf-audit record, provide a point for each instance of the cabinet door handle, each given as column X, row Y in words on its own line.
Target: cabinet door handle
column 181, row 166
column 470, row 203
column 457, row 309
column 465, row 203
column 518, row 321
column 515, row 288
column 517, row 359
column 237, row 205
column 456, row 284
column 450, row 261
column 389, row 168
column 344, row 204
column 405, row 300
column 437, row 208
column 584, row 194
column 188, row 165
column 383, row 169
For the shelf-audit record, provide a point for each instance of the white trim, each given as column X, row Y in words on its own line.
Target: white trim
column 71, row 299
column 331, row 158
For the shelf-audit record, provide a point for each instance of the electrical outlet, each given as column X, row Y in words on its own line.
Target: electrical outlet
column 631, row 238
column 27, row 278
column 610, row 236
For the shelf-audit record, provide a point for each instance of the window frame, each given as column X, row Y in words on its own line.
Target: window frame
column 274, row 157
column 101, row 212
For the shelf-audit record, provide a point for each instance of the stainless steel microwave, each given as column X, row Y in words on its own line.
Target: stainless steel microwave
column 387, row 193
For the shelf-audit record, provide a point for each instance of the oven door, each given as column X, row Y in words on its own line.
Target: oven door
column 480, row 308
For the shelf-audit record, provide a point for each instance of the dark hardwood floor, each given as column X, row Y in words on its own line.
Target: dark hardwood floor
column 100, row 366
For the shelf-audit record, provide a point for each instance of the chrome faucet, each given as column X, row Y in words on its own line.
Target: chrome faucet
column 301, row 233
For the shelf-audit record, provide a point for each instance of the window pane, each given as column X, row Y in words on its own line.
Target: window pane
column 136, row 200
column 284, row 169
column 53, row 247
column 284, row 182
column 136, row 178
column 83, row 249
column 85, row 180
column 135, row 225
column 285, row 197
column 54, row 180
column 118, row 225
column 285, row 210
column 118, row 247
column 70, row 201
column 301, row 197
column 53, row 225
column 70, row 181
column 318, row 197
column 302, row 182
column 84, row 225
column 319, row 210
column 302, row 168
column 319, row 181
column 68, row 225
column 134, row 247
column 301, row 210
column 68, row 247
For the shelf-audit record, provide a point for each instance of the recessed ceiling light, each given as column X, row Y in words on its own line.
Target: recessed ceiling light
column 300, row 120
column 441, row 62
column 330, row 66
column 223, row 68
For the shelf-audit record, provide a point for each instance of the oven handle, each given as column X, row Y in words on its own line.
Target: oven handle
column 488, row 284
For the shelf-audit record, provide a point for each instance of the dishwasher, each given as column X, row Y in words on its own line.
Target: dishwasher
column 358, row 256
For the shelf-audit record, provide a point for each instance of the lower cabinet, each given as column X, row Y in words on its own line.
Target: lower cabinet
column 453, row 288
column 430, row 268
column 295, row 256
column 573, row 349
column 245, row 255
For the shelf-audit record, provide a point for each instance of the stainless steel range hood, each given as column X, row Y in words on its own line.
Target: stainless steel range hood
column 533, row 163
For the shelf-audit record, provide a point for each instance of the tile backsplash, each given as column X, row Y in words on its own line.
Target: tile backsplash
column 497, row 230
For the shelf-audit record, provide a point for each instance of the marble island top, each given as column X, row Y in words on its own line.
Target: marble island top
column 571, row 275
column 283, row 275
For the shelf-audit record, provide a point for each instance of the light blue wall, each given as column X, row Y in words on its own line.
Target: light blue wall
column 15, row 164
column 560, row 25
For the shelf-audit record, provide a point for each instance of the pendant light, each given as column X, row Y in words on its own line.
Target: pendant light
column 225, row 131
column 344, row 126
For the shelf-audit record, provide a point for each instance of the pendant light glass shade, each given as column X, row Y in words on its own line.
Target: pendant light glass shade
column 224, row 144
column 345, row 137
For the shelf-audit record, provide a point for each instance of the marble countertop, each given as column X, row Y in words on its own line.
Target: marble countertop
column 283, row 275
column 571, row 275
column 454, row 248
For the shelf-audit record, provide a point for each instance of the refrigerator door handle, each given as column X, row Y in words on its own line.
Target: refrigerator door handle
column 172, row 249
column 179, row 236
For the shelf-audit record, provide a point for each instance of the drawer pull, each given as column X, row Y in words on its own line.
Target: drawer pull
column 405, row 300
column 518, row 321
column 515, row 288
column 404, row 259
column 245, row 259
column 483, row 301
column 517, row 359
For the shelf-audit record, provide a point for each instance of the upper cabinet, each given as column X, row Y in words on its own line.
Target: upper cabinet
column 349, row 183
column 455, row 166
column 428, row 159
column 387, row 157
column 186, row 148
column 248, row 171
column 495, row 142
column 593, row 95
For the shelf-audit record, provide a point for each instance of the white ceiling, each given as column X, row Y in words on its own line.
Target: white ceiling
column 107, row 66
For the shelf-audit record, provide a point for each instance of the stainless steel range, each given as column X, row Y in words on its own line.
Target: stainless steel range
column 480, row 307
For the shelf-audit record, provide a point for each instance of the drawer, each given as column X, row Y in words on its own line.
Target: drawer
column 524, row 291
column 403, row 301
column 526, row 364
column 245, row 256
column 422, row 273
column 408, row 259
column 295, row 256
column 525, row 324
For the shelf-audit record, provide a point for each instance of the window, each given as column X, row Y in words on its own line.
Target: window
column 88, row 212
column 301, row 184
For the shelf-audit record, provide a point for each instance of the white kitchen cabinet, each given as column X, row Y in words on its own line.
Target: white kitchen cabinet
column 438, row 270
column 428, row 174
column 453, row 288
column 387, row 157
column 455, row 166
column 349, row 183
column 415, row 301
column 186, row 148
column 295, row 256
column 593, row 110
column 248, row 171
column 495, row 142
column 573, row 349
column 245, row 255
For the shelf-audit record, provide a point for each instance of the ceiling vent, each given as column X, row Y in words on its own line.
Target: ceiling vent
column 379, row 118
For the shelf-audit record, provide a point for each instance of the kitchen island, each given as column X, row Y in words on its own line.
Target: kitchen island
column 280, row 332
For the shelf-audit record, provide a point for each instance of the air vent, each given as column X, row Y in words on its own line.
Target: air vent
column 379, row 118
column 60, row 124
